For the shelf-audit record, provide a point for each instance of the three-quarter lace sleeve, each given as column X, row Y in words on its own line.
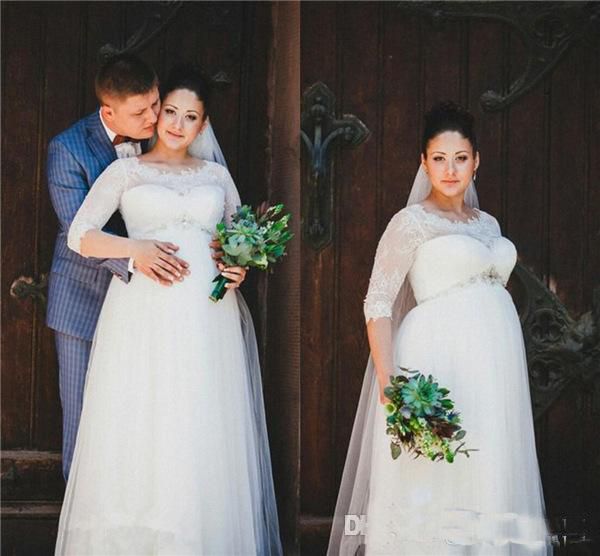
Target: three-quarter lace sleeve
column 99, row 204
column 232, row 197
column 393, row 259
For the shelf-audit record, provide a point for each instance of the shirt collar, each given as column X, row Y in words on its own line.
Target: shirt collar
column 111, row 134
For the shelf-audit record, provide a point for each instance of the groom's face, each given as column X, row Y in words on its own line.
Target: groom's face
column 133, row 116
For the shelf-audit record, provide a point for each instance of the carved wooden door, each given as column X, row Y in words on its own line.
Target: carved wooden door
column 49, row 59
column 530, row 72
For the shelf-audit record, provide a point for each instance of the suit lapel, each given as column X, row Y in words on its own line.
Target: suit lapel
column 99, row 143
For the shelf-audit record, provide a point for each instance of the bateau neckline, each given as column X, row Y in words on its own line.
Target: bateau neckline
column 166, row 170
column 471, row 220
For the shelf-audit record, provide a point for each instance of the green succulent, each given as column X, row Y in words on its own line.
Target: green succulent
column 420, row 418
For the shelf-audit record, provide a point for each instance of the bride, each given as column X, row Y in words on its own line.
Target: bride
column 437, row 303
column 172, row 453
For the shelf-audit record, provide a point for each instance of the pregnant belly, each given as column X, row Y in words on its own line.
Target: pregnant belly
column 193, row 243
column 192, row 292
column 447, row 328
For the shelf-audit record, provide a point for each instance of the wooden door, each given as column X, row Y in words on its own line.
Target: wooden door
column 49, row 60
column 386, row 64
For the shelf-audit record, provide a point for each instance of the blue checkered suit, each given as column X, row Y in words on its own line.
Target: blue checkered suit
column 77, row 286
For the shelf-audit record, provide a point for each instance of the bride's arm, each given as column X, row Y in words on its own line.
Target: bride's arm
column 379, row 332
column 394, row 257
column 153, row 258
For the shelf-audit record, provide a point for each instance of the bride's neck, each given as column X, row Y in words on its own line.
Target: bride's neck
column 454, row 204
column 163, row 153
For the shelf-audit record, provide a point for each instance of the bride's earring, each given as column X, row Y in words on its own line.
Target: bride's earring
column 474, row 176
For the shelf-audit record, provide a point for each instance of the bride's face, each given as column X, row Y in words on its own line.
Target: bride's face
column 450, row 163
column 181, row 118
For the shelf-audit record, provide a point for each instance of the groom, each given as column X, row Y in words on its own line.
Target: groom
column 127, row 90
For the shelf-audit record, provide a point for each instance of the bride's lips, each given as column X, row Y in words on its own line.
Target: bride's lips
column 174, row 135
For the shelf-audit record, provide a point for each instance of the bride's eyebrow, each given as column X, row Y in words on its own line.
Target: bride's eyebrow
column 442, row 152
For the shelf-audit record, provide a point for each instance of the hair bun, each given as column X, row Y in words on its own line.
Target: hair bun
column 449, row 110
column 448, row 116
column 189, row 72
column 107, row 53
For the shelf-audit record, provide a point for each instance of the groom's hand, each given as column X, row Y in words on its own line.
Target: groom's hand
column 157, row 261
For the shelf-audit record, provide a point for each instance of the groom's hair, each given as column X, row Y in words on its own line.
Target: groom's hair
column 124, row 75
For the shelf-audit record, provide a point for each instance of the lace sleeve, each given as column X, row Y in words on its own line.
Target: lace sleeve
column 232, row 197
column 99, row 204
column 393, row 259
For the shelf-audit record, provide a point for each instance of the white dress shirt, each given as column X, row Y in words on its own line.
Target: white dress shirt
column 124, row 150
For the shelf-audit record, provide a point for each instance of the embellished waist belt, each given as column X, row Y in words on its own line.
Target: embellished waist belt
column 491, row 277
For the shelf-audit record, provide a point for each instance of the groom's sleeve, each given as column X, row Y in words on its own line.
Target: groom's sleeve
column 67, row 184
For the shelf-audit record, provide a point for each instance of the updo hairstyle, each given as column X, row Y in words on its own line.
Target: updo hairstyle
column 448, row 116
column 192, row 78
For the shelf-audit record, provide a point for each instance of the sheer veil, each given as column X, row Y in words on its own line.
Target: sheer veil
column 206, row 147
column 266, row 523
column 353, row 496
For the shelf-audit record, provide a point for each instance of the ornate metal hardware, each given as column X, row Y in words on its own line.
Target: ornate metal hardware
column 161, row 15
column 547, row 30
column 560, row 350
column 25, row 286
column 156, row 21
column 319, row 130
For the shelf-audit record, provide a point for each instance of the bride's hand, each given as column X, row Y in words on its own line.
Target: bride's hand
column 215, row 245
column 383, row 399
column 237, row 274
column 156, row 260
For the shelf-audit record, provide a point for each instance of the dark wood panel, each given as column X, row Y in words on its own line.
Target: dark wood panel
column 591, row 261
column 591, row 269
column 319, row 28
column 441, row 57
column 399, row 142
column 526, row 169
column 357, row 184
column 103, row 23
column 23, row 67
column 567, row 180
column 60, row 110
column 486, row 70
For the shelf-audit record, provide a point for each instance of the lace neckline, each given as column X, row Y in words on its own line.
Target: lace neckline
column 167, row 171
column 475, row 219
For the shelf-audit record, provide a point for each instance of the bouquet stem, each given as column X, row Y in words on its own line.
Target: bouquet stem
column 220, row 289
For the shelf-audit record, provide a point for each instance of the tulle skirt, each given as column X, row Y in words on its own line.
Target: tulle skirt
column 491, row 503
column 172, row 455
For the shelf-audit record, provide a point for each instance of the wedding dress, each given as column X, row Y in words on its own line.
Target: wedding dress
column 465, row 331
column 172, row 455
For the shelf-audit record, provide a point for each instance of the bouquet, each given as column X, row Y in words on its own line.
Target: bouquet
column 420, row 418
column 254, row 238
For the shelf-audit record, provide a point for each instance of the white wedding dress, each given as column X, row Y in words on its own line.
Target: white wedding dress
column 172, row 455
column 465, row 331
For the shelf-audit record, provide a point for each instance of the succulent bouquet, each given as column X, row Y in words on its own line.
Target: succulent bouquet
column 254, row 239
column 420, row 418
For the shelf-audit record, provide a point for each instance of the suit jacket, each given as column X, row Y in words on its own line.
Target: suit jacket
column 78, row 285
